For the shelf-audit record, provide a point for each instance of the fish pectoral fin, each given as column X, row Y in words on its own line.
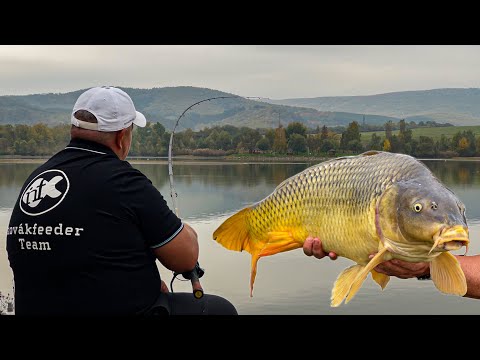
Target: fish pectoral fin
column 277, row 241
column 447, row 274
column 380, row 279
column 343, row 283
column 358, row 281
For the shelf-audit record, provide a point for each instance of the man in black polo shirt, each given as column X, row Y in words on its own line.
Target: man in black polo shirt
column 87, row 228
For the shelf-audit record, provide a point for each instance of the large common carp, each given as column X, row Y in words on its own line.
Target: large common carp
column 376, row 202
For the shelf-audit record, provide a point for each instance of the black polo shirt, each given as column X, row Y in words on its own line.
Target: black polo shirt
column 81, row 235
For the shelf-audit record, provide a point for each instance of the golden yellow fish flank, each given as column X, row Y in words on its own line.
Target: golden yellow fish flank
column 376, row 202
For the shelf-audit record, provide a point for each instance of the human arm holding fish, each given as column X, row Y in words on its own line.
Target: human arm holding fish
column 405, row 270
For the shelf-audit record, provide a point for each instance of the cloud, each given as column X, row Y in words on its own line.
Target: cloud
column 273, row 71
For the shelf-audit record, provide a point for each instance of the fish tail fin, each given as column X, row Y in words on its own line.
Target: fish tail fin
column 233, row 234
column 447, row 274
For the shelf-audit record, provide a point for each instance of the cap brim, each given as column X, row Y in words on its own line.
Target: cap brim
column 140, row 120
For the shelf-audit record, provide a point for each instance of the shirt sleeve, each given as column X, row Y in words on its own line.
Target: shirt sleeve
column 158, row 223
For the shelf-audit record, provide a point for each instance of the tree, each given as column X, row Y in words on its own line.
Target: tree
column 280, row 141
column 355, row 146
column 352, row 133
column 324, row 135
column 297, row 143
column 212, row 140
column 425, row 147
column 404, row 136
column 314, row 143
column 296, row 128
column 248, row 138
column 388, row 130
column 270, row 136
column 327, row 145
column 263, row 144
column 386, row 145
column 444, row 144
column 224, row 140
column 375, row 142
column 464, row 143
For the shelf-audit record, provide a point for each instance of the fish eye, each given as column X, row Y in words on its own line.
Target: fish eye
column 417, row 207
column 434, row 205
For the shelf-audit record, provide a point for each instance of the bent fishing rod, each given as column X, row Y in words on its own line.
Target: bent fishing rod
column 197, row 272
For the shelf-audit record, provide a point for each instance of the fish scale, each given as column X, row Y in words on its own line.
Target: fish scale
column 307, row 199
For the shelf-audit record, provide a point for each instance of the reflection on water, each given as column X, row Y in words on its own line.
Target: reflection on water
column 464, row 173
column 287, row 283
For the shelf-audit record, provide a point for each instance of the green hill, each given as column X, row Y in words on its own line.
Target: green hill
column 165, row 105
column 456, row 106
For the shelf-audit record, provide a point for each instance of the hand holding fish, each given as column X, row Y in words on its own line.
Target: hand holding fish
column 313, row 246
column 403, row 269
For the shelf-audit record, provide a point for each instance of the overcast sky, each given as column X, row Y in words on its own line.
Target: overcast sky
column 272, row 71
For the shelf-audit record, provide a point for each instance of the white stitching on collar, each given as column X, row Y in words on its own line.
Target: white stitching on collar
column 78, row 148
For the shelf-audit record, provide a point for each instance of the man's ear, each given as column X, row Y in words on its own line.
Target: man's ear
column 119, row 137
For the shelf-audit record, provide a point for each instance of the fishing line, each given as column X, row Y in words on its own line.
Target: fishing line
column 173, row 192
column 170, row 146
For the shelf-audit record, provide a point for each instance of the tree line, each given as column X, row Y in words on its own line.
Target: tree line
column 294, row 139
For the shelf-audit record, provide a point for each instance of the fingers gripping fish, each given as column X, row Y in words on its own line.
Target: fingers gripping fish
column 381, row 202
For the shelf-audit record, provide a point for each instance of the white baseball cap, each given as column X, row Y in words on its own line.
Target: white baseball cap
column 112, row 107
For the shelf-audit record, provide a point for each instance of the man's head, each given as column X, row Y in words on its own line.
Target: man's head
column 106, row 115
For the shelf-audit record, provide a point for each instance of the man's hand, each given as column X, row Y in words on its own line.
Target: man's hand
column 313, row 246
column 403, row 269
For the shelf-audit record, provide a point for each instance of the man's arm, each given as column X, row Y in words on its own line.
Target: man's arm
column 181, row 253
column 404, row 270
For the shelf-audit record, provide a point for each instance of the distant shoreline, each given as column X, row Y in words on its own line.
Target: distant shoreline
column 216, row 159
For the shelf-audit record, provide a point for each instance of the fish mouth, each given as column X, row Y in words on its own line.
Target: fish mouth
column 451, row 238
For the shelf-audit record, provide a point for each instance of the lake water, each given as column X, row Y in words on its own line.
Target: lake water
column 288, row 283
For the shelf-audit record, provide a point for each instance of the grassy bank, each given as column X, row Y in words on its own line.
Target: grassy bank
column 432, row 132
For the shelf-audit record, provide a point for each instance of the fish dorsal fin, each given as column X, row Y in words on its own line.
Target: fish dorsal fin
column 358, row 281
column 447, row 274
column 343, row 283
column 371, row 152
column 380, row 279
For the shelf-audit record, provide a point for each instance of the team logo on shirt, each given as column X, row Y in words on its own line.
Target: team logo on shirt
column 44, row 192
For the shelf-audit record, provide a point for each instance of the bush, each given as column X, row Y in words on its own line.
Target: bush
column 447, row 154
column 208, row 152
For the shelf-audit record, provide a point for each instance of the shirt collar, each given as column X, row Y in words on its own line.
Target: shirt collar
column 90, row 145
